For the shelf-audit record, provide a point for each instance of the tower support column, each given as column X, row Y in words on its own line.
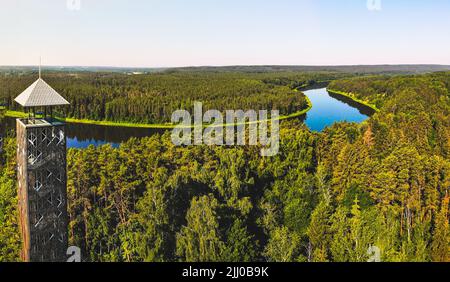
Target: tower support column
column 42, row 189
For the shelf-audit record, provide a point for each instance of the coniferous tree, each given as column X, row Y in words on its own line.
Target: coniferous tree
column 199, row 240
column 441, row 236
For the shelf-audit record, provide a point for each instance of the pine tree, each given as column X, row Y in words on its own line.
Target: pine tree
column 319, row 233
column 368, row 138
column 200, row 241
column 240, row 245
column 341, row 242
column 441, row 235
column 283, row 246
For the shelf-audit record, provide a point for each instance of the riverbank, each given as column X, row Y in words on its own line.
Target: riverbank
column 352, row 96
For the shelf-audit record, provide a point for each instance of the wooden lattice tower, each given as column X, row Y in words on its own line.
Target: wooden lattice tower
column 42, row 183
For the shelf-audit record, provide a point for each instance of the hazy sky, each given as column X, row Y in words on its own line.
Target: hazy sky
column 162, row 33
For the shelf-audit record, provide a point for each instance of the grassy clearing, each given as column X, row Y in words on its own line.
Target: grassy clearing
column 16, row 114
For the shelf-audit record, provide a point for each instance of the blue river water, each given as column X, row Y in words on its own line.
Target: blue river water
column 331, row 108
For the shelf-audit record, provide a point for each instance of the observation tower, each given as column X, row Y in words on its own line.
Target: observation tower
column 42, row 176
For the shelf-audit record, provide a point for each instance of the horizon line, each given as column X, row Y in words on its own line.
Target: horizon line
column 224, row 66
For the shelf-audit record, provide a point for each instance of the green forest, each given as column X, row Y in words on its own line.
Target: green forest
column 152, row 98
column 325, row 197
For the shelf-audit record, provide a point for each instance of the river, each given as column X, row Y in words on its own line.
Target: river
column 327, row 109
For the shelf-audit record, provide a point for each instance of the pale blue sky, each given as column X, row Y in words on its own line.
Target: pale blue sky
column 169, row 33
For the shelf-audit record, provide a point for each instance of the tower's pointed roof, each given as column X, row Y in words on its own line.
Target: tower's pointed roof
column 40, row 94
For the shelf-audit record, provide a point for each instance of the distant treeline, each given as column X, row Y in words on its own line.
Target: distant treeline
column 152, row 98
column 355, row 69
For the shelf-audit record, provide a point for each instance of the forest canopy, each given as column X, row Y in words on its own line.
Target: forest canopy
column 326, row 196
